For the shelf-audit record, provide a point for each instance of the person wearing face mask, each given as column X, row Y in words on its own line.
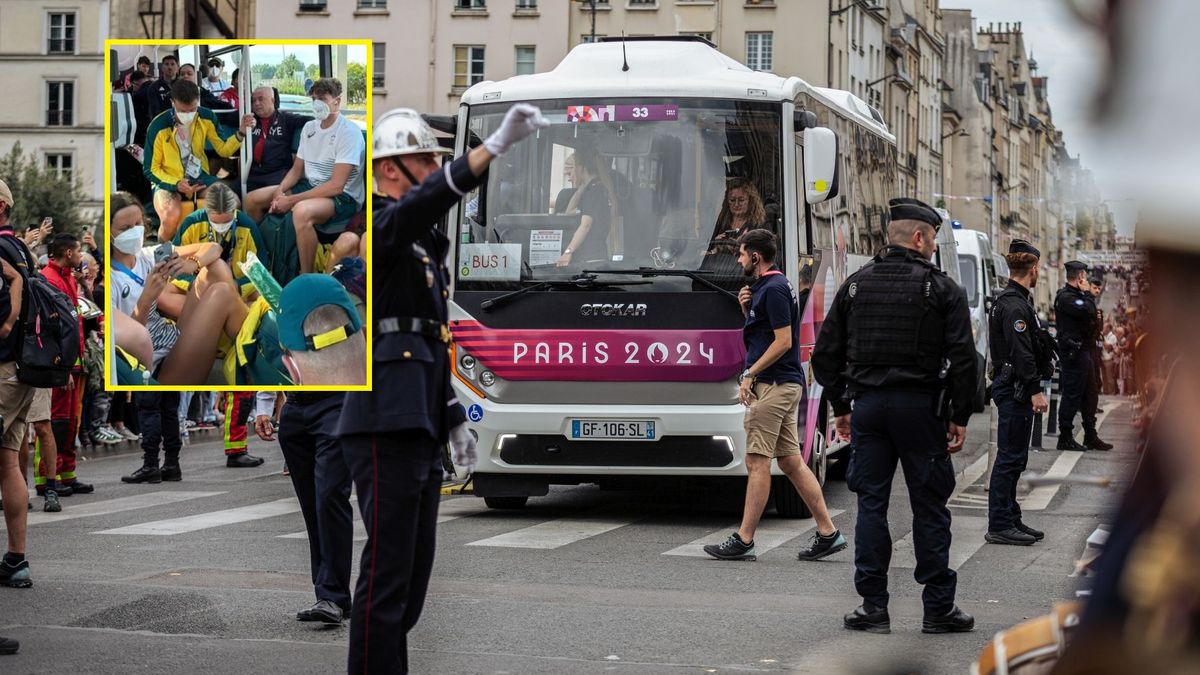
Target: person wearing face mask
column 325, row 186
column 213, row 82
column 175, row 162
column 896, row 342
column 275, row 138
column 225, row 111
column 393, row 437
column 221, row 222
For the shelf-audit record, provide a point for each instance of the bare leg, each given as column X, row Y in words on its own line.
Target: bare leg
column 16, row 498
column 170, row 212
column 216, row 273
column 305, row 217
column 362, row 246
column 23, row 460
column 346, row 245
column 758, row 488
column 192, row 357
column 133, row 337
column 258, row 201
column 810, row 491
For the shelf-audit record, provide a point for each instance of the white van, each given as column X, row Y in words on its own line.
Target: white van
column 982, row 274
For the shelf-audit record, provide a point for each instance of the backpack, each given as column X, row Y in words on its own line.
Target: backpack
column 48, row 347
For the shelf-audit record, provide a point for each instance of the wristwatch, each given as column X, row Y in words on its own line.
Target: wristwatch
column 567, row 251
column 745, row 374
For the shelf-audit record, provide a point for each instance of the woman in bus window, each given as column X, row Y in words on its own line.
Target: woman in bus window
column 742, row 211
column 594, row 199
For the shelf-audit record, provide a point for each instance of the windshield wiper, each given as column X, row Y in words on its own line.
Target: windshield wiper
column 653, row 272
column 584, row 281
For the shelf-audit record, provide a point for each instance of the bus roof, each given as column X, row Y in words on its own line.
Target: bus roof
column 665, row 68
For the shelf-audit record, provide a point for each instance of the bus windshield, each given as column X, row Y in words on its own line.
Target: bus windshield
column 622, row 184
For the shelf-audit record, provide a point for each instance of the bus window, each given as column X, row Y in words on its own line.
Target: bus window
column 969, row 271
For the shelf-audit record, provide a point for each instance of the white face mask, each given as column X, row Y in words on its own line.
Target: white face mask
column 129, row 242
column 214, row 74
column 321, row 110
column 221, row 228
column 185, row 118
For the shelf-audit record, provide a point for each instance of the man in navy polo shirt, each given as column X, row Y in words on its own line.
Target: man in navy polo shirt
column 771, row 388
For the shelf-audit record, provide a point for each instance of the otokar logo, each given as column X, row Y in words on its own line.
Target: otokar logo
column 616, row 309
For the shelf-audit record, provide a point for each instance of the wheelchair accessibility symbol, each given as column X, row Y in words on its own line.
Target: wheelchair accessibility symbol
column 475, row 412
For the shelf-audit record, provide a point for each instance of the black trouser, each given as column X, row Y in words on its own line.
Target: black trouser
column 321, row 478
column 890, row 426
column 1014, row 428
column 1091, row 398
column 398, row 476
column 158, row 418
column 1077, row 372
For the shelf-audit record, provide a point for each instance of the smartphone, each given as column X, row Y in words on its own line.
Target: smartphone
column 165, row 251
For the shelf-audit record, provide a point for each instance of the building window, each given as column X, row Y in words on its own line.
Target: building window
column 312, row 5
column 526, row 57
column 759, row 50
column 61, row 163
column 468, row 65
column 706, row 36
column 60, row 109
column 587, row 38
column 526, row 4
column 372, row 4
column 470, row 4
column 62, row 33
column 379, row 63
column 635, row 3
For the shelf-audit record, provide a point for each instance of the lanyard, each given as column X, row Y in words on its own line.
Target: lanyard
column 128, row 272
column 771, row 273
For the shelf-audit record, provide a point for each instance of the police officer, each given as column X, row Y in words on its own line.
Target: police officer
column 1091, row 396
column 897, row 341
column 1075, row 310
column 393, row 436
column 1017, row 393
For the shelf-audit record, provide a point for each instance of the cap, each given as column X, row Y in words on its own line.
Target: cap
column 5, row 194
column 905, row 208
column 1075, row 267
column 1022, row 246
column 299, row 298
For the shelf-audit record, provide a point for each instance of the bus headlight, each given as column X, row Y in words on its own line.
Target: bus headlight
column 487, row 378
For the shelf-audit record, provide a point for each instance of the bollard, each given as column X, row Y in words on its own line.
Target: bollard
column 1052, row 414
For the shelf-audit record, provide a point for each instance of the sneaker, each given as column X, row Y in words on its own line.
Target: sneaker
column 51, row 503
column 1012, row 537
column 62, row 489
column 79, row 488
column 242, row 460
column 823, row 546
column 732, row 548
column 9, row 646
column 192, row 424
column 15, row 576
column 869, row 619
column 1067, row 442
column 145, row 474
column 1036, row 534
column 171, row 473
column 127, row 434
column 106, row 436
column 957, row 621
column 1094, row 443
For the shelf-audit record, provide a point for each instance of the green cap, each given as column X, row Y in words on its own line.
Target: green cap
column 299, row 298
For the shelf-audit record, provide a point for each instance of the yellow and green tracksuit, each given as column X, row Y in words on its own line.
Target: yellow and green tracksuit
column 161, row 161
column 241, row 239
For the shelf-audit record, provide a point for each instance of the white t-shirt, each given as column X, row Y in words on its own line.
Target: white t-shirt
column 215, row 87
column 341, row 143
column 124, row 294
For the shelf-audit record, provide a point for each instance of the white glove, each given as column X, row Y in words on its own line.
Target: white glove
column 521, row 120
column 462, row 449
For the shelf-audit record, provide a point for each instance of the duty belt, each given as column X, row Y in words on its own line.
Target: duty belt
column 406, row 324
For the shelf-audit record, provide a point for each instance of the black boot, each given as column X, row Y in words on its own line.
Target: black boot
column 171, row 472
column 1093, row 442
column 957, row 621
column 1012, row 536
column 1066, row 441
column 868, row 618
column 1036, row 534
column 145, row 474
column 242, row 460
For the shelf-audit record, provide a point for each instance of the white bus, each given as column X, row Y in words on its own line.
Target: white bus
column 620, row 363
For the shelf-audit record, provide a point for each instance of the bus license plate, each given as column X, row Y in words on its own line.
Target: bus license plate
column 612, row 430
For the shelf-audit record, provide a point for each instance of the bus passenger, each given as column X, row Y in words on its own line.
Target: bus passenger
column 742, row 211
column 595, row 200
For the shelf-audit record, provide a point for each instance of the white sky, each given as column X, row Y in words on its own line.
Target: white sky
column 1070, row 55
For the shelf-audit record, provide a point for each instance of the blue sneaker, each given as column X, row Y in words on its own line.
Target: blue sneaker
column 823, row 546
column 15, row 576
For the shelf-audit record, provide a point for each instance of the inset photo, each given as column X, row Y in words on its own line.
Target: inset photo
column 236, row 214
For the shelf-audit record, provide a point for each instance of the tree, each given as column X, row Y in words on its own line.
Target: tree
column 39, row 192
column 313, row 71
column 356, row 83
column 289, row 66
column 264, row 71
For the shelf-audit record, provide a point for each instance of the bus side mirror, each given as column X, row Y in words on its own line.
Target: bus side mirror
column 820, row 164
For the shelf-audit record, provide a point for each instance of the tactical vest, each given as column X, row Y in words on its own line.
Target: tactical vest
column 892, row 321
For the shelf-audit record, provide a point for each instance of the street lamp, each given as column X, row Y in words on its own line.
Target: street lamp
column 960, row 132
column 872, row 83
column 591, row 4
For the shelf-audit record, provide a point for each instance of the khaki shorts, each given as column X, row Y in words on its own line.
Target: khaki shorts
column 39, row 410
column 15, row 398
column 771, row 419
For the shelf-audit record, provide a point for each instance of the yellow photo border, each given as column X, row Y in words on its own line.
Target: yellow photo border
column 109, row 384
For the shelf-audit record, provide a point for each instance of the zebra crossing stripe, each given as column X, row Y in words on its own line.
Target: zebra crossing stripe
column 558, row 533
column 204, row 521
column 966, row 538
column 107, row 506
column 771, row 534
column 449, row 509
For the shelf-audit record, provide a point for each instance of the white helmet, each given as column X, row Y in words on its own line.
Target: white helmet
column 403, row 132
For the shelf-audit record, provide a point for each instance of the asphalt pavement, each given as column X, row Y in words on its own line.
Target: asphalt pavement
column 206, row 575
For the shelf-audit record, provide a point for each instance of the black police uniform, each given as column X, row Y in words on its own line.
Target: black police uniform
column 1075, row 312
column 321, row 478
column 883, row 345
column 393, row 436
column 1012, row 324
column 1091, row 395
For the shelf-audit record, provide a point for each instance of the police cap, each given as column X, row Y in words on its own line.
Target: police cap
column 1022, row 246
column 905, row 208
column 1075, row 267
